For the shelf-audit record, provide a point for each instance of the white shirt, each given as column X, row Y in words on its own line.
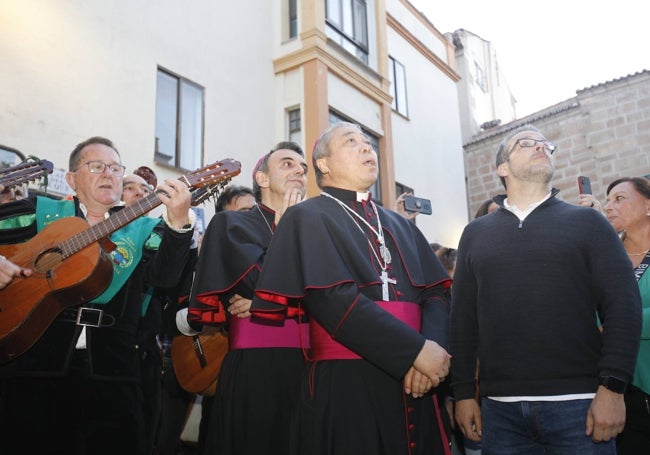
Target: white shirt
column 522, row 214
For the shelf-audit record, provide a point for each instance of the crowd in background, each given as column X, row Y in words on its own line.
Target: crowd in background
column 344, row 331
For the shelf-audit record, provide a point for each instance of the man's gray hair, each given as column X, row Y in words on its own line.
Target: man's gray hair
column 321, row 147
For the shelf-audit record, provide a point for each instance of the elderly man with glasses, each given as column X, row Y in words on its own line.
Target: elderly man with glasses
column 77, row 389
column 532, row 281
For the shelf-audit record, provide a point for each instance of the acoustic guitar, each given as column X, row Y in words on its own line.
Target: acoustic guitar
column 70, row 267
column 27, row 171
column 197, row 361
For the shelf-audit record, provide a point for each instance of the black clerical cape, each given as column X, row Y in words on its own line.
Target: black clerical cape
column 257, row 387
column 321, row 260
column 233, row 248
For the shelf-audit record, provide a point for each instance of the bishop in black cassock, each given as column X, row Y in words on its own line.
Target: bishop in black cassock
column 259, row 377
column 328, row 257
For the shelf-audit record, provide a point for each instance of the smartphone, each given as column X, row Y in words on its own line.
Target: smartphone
column 584, row 185
column 417, row 204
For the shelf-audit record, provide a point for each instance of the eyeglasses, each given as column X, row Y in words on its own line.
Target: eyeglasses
column 525, row 142
column 97, row 167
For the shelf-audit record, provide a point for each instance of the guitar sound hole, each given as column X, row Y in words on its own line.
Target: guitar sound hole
column 48, row 260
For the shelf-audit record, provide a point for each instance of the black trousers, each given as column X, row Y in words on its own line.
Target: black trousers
column 174, row 405
column 635, row 438
column 72, row 415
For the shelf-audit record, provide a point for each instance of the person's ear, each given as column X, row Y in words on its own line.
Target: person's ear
column 321, row 163
column 262, row 179
column 503, row 170
column 69, row 178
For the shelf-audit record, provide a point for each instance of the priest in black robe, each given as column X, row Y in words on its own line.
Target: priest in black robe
column 259, row 376
column 374, row 293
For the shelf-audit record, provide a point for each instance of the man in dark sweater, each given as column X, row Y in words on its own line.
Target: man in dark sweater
column 533, row 280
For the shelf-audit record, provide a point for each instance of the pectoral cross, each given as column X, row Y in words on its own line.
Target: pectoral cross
column 384, row 284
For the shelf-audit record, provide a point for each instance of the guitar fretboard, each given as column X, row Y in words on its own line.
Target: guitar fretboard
column 203, row 183
column 111, row 224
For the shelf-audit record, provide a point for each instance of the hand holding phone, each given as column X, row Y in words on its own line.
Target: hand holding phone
column 586, row 198
column 417, row 204
column 584, row 185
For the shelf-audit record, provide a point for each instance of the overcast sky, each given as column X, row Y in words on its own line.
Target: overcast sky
column 549, row 50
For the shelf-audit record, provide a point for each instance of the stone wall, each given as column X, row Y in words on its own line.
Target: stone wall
column 603, row 133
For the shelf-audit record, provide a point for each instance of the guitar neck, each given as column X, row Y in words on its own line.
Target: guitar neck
column 203, row 183
column 24, row 172
column 109, row 225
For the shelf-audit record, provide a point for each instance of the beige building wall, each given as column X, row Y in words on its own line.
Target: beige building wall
column 427, row 142
column 602, row 133
column 75, row 69
column 411, row 148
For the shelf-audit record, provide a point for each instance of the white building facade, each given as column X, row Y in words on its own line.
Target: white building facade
column 180, row 85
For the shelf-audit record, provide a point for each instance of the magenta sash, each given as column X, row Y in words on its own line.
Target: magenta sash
column 324, row 347
column 244, row 334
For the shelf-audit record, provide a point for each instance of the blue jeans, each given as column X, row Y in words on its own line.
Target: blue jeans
column 539, row 427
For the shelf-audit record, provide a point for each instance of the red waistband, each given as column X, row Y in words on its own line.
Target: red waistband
column 244, row 334
column 324, row 347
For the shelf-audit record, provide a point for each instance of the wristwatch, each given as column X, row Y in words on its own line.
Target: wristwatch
column 613, row 383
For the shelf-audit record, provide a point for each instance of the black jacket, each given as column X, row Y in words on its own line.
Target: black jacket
column 113, row 352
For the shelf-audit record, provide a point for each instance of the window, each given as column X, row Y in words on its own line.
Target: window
column 374, row 142
column 179, row 122
column 293, row 18
column 479, row 76
column 10, row 156
column 400, row 189
column 398, row 86
column 347, row 25
column 295, row 128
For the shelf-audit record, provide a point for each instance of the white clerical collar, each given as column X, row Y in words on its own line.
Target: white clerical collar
column 522, row 214
column 363, row 197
